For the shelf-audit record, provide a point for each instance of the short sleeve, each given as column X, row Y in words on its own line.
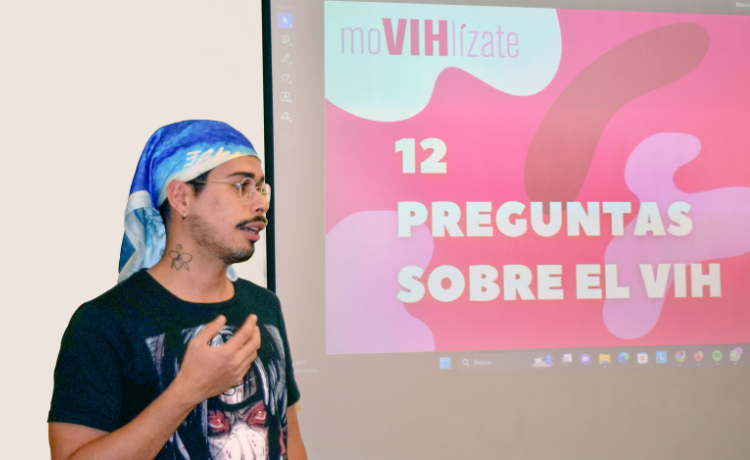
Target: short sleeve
column 88, row 381
column 292, row 392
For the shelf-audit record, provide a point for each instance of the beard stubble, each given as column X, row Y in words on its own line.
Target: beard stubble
column 205, row 237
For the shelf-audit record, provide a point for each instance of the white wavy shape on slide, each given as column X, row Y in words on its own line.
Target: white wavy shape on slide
column 363, row 258
column 365, row 79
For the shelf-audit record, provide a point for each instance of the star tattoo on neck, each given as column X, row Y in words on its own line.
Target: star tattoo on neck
column 180, row 259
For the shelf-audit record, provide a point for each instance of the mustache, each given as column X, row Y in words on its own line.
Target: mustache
column 256, row 219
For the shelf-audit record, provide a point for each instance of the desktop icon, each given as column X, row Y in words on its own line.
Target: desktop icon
column 604, row 358
column 567, row 358
column 585, row 358
column 661, row 356
column 680, row 356
column 735, row 354
column 716, row 355
column 624, row 357
column 445, row 363
column 698, row 355
column 642, row 358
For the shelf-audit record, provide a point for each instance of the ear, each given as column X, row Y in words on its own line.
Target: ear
column 179, row 194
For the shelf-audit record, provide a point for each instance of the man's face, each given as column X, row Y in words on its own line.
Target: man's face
column 219, row 221
column 239, row 435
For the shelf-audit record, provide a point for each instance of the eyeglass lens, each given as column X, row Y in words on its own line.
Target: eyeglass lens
column 248, row 187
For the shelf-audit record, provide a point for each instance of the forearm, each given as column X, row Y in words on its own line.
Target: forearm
column 144, row 436
column 295, row 446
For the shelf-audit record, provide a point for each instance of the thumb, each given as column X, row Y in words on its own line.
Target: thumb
column 211, row 329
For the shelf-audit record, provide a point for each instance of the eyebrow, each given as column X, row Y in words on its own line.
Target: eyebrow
column 244, row 174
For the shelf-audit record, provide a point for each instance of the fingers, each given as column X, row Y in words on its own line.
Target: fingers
column 211, row 329
column 245, row 333
column 246, row 354
column 247, row 362
column 244, row 358
column 249, row 351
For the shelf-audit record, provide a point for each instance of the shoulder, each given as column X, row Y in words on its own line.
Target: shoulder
column 257, row 294
column 94, row 318
column 259, row 300
column 93, row 328
column 132, row 291
column 106, row 312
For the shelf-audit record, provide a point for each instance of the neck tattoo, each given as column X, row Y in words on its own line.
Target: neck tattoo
column 180, row 259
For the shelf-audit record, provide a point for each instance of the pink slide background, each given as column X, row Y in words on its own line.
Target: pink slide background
column 644, row 107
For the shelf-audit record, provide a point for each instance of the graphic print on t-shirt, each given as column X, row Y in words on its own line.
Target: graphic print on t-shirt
column 239, row 423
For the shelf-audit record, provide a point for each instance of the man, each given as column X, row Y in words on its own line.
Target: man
column 181, row 360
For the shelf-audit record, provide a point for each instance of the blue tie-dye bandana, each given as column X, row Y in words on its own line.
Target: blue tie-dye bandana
column 181, row 151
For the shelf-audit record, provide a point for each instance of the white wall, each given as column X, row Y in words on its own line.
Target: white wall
column 83, row 84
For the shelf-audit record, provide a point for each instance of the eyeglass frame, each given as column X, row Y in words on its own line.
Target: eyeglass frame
column 238, row 185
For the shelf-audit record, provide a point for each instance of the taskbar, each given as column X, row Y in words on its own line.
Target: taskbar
column 599, row 358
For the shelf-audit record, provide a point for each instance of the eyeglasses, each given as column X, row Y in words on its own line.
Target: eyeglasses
column 247, row 188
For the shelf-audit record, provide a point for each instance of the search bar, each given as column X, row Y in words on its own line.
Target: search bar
column 522, row 360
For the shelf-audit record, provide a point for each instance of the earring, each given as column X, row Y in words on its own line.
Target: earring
column 184, row 215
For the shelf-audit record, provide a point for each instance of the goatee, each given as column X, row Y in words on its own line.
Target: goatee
column 237, row 256
column 205, row 237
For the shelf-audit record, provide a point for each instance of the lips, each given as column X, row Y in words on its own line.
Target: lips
column 253, row 229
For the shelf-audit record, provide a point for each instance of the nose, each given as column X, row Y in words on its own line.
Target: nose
column 251, row 446
column 261, row 203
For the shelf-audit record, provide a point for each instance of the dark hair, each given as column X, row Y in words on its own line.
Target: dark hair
column 198, row 184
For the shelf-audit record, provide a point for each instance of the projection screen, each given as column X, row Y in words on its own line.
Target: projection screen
column 513, row 229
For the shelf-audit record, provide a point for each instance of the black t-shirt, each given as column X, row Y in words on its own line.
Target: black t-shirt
column 122, row 349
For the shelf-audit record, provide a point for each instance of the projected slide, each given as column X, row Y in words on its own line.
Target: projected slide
column 508, row 178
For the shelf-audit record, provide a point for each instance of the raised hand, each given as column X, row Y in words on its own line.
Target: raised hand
column 208, row 371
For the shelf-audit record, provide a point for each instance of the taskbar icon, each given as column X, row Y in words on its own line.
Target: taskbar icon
column 543, row 361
